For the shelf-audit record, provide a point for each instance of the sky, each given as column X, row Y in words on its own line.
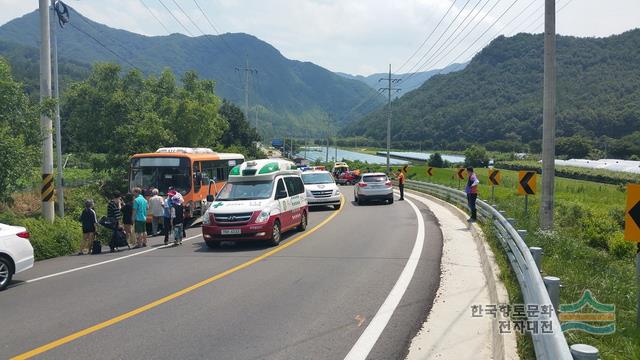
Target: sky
column 359, row 36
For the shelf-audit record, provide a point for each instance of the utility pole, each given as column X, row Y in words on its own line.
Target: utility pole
column 548, row 116
column 306, row 142
column 46, row 127
column 327, row 136
column 335, row 143
column 247, row 71
column 389, row 88
column 60, row 177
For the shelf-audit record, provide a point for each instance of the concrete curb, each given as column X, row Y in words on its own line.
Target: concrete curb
column 501, row 349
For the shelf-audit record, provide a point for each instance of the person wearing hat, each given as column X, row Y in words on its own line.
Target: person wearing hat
column 472, row 192
column 178, row 218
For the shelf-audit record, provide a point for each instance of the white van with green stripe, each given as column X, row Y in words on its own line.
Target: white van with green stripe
column 261, row 200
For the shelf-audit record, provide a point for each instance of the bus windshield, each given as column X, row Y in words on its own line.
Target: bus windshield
column 161, row 173
column 254, row 190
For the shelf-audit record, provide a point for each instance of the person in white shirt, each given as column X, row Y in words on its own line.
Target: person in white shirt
column 157, row 211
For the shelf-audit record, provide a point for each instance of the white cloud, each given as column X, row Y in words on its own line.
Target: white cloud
column 356, row 36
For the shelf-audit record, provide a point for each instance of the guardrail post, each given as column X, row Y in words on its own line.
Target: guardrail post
column 512, row 221
column 584, row 352
column 537, row 253
column 552, row 284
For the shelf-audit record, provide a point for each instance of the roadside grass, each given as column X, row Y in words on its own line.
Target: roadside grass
column 586, row 250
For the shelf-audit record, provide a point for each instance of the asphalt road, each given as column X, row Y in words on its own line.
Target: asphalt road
column 311, row 298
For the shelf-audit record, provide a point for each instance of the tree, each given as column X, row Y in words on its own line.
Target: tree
column 476, row 156
column 575, row 147
column 435, row 160
column 19, row 135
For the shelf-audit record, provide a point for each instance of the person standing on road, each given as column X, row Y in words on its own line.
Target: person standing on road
column 472, row 192
column 89, row 220
column 114, row 209
column 156, row 206
column 127, row 219
column 167, row 226
column 140, row 206
column 178, row 218
column 401, row 183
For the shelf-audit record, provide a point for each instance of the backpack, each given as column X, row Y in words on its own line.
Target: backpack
column 96, row 247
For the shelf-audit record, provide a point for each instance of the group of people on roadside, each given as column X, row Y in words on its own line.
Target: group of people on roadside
column 128, row 214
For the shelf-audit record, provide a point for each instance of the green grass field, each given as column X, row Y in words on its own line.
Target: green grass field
column 586, row 250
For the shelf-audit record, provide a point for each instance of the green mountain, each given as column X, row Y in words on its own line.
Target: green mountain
column 497, row 99
column 25, row 66
column 287, row 96
column 410, row 83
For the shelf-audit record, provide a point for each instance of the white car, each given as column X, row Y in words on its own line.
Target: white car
column 321, row 189
column 16, row 253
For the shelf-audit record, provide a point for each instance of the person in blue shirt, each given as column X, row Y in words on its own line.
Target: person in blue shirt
column 167, row 214
column 140, row 207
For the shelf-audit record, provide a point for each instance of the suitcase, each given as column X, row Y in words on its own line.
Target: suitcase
column 96, row 247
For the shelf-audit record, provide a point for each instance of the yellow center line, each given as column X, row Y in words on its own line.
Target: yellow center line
column 90, row 330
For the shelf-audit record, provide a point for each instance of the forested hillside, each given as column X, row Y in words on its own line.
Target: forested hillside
column 287, row 96
column 497, row 99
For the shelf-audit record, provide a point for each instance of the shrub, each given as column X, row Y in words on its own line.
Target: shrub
column 53, row 239
column 597, row 229
column 620, row 248
column 570, row 214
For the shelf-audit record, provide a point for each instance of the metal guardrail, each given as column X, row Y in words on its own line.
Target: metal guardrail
column 549, row 345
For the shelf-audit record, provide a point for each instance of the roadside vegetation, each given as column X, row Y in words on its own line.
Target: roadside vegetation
column 586, row 249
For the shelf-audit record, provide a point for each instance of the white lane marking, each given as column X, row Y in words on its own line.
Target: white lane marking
column 370, row 336
column 105, row 262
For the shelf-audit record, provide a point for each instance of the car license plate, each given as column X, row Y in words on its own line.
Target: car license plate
column 231, row 231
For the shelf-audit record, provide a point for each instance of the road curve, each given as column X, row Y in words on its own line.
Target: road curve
column 313, row 299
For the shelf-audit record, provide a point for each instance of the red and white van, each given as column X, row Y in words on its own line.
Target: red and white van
column 261, row 200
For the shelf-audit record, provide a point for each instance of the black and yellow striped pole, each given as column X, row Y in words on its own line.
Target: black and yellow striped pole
column 47, row 188
column 46, row 126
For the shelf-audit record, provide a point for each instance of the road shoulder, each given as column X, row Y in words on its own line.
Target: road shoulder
column 469, row 277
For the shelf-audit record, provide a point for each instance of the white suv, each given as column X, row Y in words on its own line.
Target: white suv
column 321, row 189
column 16, row 253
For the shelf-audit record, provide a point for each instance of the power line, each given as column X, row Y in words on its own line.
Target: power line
column 101, row 33
column 519, row 14
column 196, row 25
column 155, row 17
column 484, row 32
column 175, row 18
column 440, row 50
column 104, row 46
column 214, row 28
column 440, row 37
column 451, row 49
column 427, row 38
